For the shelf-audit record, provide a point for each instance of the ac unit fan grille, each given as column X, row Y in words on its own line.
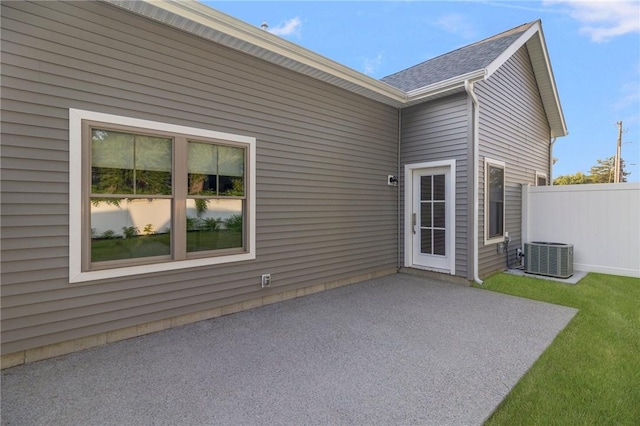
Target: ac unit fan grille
column 550, row 259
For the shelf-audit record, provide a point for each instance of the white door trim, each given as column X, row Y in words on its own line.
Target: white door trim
column 451, row 213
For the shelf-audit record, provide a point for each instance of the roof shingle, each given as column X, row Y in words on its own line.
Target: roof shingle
column 462, row 61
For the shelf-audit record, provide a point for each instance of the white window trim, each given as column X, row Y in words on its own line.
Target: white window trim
column 75, row 198
column 495, row 163
column 539, row 175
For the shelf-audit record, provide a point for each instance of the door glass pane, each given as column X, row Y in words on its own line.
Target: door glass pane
column 425, row 241
column 129, row 228
column 214, row 224
column 425, row 214
column 439, row 242
column 438, row 187
column 439, row 217
column 425, row 188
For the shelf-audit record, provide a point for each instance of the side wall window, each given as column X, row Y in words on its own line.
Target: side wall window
column 541, row 179
column 494, row 200
column 152, row 196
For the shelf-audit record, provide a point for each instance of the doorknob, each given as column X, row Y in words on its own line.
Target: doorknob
column 414, row 223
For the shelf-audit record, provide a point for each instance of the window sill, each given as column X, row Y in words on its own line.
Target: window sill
column 76, row 276
column 493, row 241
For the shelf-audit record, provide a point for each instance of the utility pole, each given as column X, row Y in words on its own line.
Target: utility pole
column 618, row 161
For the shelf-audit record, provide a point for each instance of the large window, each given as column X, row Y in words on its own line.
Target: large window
column 148, row 196
column 494, row 201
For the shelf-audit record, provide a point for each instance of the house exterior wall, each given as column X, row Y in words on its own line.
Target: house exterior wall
column 434, row 131
column 513, row 129
column 324, row 211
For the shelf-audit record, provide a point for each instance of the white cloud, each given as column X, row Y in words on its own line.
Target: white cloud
column 605, row 19
column 456, row 24
column 371, row 65
column 629, row 96
column 292, row 26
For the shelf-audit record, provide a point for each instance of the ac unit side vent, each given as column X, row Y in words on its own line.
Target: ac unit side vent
column 550, row 259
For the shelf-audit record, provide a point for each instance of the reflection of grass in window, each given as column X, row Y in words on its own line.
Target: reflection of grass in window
column 213, row 240
column 134, row 247
column 160, row 244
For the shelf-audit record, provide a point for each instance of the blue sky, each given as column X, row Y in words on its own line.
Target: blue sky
column 594, row 49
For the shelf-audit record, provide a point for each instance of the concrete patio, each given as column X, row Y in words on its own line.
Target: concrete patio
column 395, row 350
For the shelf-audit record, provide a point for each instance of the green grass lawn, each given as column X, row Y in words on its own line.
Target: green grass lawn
column 590, row 375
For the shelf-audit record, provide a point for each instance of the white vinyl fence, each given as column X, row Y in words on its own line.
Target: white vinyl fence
column 602, row 221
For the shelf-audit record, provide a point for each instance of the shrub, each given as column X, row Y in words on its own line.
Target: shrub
column 234, row 223
column 129, row 231
column 210, row 224
column 148, row 229
column 108, row 234
column 193, row 223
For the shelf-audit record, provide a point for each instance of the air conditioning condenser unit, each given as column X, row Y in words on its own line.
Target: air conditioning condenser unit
column 550, row 259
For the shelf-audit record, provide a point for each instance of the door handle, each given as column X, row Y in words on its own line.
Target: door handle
column 414, row 223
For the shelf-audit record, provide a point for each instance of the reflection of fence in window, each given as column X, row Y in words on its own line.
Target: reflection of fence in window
column 219, row 209
column 138, row 213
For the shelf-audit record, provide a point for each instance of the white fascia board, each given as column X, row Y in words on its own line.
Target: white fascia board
column 511, row 50
column 552, row 90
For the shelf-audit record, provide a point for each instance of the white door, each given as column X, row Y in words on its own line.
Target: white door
column 432, row 219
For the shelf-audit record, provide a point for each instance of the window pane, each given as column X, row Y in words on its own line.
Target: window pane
column 425, row 241
column 231, row 186
column 438, row 187
column 439, row 242
column 425, row 214
column 214, row 224
column 203, row 169
column 125, row 163
column 112, row 156
column 129, row 228
column 496, row 201
column 231, row 171
column 542, row 181
column 496, row 183
column 152, row 165
column 230, row 161
column 495, row 219
column 439, row 218
column 425, row 188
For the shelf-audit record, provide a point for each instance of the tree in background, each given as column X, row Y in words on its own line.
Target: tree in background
column 602, row 172
column 575, row 179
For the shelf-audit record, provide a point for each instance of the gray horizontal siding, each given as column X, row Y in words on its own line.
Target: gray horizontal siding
column 436, row 131
column 513, row 129
column 324, row 211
